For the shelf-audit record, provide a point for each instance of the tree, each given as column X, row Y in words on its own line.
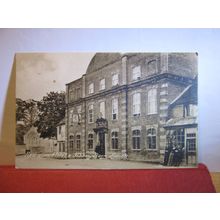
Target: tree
column 26, row 111
column 26, row 116
column 20, row 132
column 51, row 112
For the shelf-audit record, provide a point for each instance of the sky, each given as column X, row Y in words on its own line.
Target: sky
column 204, row 41
column 39, row 73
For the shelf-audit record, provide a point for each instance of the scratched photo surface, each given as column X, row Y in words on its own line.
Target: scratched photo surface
column 106, row 110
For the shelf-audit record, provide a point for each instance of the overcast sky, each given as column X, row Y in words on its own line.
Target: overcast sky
column 39, row 73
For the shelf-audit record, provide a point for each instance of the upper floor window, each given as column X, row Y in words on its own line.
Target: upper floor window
column 152, row 67
column 78, row 93
column 136, row 137
column 136, row 73
column 115, row 79
column 91, row 88
column 71, row 95
column 114, row 108
column 102, row 84
column 79, row 111
column 90, row 141
column 152, row 101
column 90, row 116
column 78, row 142
column 114, row 140
column 71, row 116
column 102, row 109
column 136, row 100
column 151, row 138
column 193, row 110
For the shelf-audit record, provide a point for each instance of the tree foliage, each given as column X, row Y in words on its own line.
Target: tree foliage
column 51, row 112
column 26, row 116
column 26, row 111
column 20, row 132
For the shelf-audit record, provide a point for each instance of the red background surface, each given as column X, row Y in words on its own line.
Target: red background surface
column 91, row 181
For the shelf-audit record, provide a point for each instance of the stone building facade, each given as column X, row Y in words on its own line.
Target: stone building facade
column 132, row 92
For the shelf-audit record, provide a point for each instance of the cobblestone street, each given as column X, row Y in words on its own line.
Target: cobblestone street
column 39, row 162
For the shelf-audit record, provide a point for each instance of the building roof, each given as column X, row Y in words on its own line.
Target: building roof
column 62, row 122
column 32, row 131
column 183, row 122
column 188, row 95
column 181, row 94
column 102, row 59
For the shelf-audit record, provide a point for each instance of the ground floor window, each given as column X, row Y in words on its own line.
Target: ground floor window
column 63, row 147
column 151, row 138
column 71, row 141
column 78, row 144
column 136, row 136
column 114, row 140
column 178, row 138
column 90, row 141
column 191, row 142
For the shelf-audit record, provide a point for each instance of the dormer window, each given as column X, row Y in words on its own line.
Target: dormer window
column 91, row 88
column 136, row 73
column 115, row 79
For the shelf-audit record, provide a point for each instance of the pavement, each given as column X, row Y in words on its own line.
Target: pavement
column 39, row 162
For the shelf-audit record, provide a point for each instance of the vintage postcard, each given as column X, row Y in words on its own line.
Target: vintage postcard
column 106, row 110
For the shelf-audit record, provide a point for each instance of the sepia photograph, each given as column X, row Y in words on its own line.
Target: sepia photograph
column 105, row 110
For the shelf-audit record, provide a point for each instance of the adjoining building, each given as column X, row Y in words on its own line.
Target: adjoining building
column 35, row 144
column 181, row 126
column 137, row 95
column 61, row 136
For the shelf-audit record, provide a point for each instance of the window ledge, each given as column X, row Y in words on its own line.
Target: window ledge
column 148, row 149
column 137, row 116
column 136, row 80
column 102, row 90
column 114, row 120
column 152, row 113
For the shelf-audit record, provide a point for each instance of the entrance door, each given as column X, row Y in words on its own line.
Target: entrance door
column 102, row 142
